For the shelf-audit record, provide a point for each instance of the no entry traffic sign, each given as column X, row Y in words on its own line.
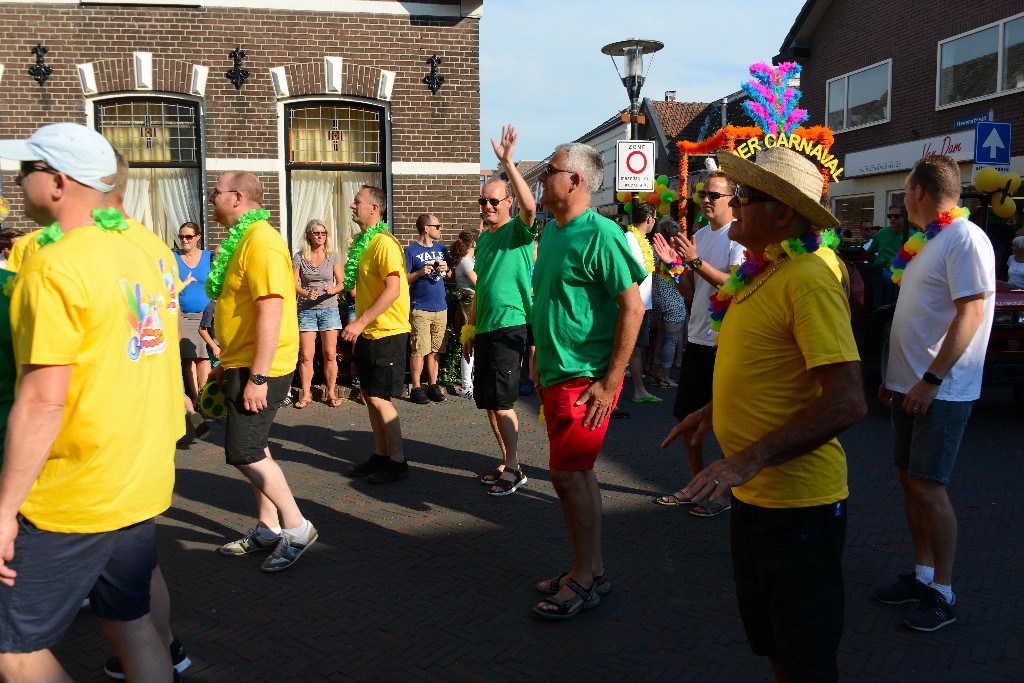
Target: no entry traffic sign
column 634, row 166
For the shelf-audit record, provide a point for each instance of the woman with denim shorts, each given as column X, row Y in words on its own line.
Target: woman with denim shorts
column 319, row 276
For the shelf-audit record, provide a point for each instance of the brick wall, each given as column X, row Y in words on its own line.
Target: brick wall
column 244, row 124
column 854, row 34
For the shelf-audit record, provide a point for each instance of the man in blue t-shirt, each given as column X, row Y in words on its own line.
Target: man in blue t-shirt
column 427, row 264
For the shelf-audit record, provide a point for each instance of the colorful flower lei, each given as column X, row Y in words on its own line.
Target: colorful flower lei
column 808, row 243
column 215, row 280
column 355, row 251
column 917, row 241
column 671, row 271
column 105, row 219
column 645, row 248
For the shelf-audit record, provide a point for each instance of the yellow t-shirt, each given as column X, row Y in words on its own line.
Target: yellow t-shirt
column 382, row 255
column 96, row 301
column 22, row 249
column 836, row 265
column 261, row 266
column 797, row 320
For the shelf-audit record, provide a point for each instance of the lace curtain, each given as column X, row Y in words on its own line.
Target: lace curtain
column 162, row 199
column 326, row 196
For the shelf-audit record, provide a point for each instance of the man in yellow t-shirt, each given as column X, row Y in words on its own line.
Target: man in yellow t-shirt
column 787, row 381
column 91, row 316
column 258, row 331
column 22, row 249
column 380, row 334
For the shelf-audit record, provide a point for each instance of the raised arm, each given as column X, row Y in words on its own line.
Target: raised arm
column 504, row 150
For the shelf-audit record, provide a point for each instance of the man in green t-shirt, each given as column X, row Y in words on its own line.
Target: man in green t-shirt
column 884, row 246
column 586, row 317
column 502, row 308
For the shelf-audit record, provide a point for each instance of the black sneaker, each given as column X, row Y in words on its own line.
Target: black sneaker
column 931, row 613
column 435, row 393
column 906, row 589
column 418, row 395
column 375, row 463
column 394, row 472
column 179, row 659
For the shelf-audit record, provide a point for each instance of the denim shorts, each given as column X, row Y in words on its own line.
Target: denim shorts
column 926, row 445
column 319, row 319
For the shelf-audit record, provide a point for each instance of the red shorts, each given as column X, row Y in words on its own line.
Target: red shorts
column 573, row 447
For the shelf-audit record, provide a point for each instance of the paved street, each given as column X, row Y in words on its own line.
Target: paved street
column 431, row 579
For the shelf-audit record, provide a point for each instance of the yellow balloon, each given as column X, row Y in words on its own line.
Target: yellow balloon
column 1014, row 181
column 664, row 208
column 1004, row 207
column 987, row 180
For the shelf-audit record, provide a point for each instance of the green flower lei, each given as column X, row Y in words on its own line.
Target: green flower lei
column 106, row 219
column 355, row 251
column 215, row 280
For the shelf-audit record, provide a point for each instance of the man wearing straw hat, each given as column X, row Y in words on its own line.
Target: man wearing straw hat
column 787, row 382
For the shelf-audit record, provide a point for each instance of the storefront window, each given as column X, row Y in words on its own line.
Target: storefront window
column 160, row 139
column 333, row 150
column 860, row 98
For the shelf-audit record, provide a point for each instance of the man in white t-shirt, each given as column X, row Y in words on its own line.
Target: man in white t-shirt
column 709, row 255
column 644, row 216
column 936, row 353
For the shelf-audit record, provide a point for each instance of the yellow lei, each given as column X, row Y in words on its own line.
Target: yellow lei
column 645, row 248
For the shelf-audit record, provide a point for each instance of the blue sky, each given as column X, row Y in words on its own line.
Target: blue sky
column 541, row 66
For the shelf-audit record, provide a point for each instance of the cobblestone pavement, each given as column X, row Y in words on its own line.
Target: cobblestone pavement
column 431, row 579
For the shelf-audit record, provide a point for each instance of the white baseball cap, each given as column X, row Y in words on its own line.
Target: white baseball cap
column 74, row 150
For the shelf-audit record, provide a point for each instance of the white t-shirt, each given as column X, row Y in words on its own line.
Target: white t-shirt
column 716, row 249
column 638, row 254
column 957, row 262
column 1015, row 273
column 465, row 266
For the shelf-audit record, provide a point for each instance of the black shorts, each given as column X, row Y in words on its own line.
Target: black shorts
column 497, row 356
column 247, row 432
column 56, row 571
column 695, row 379
column 787, row 563
column 380, row 364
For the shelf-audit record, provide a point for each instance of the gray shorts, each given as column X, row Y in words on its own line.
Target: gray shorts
column 926, row 445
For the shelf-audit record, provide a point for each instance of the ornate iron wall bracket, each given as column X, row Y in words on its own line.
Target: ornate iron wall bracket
column 237, row 74
column 40, row 71
column 434, row 80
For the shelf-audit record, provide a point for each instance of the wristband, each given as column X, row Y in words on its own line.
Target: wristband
column 932, row 378
column 671, row 271
column 468, row 332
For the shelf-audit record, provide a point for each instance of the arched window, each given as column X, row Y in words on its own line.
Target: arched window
column 333, row 149
column 161, row 140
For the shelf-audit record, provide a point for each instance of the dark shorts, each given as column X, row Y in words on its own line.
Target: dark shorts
column 789, row 584
column 926, row 445
column 247, row 432
column 57, row 571
column 695, row 379
column 643, row 338
column 381, row 365
column 573, row 447
column 497, row 356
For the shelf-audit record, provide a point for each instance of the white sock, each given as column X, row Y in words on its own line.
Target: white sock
column 299, row 531
column 268, row 533
column 924, row 574
column 947, row 591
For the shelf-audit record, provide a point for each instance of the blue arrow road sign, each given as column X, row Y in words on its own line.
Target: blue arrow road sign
column 992, row 143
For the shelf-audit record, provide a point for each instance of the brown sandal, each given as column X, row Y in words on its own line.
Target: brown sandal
column 333, row 401
column 303, row 402
column 488, row 478
column 505, row 487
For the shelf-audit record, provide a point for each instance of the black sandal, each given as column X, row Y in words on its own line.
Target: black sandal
column 602, row 584
column 585, row 598
column 507, row 486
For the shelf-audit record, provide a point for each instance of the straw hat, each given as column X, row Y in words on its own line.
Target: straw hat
column 788, row 176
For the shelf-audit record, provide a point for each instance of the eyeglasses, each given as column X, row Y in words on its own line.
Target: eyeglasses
column 214, row 193
column 894, row 216
column 186, row 238
column 432, row 225
column 318, row 233
column 28, row 167
column 483, row 201
column 745, row 195
column 550, row 170
column 713, row 196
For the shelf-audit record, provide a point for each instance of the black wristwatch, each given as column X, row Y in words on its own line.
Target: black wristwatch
column 696, row 263
column 258, row 379
column 932, row 378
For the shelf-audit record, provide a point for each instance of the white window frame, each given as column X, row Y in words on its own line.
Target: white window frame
column 846, row 95
column 1000, row 86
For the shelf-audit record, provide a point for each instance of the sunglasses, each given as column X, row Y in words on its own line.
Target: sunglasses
column 745, row 195
column 894, row 216
column 28, row 167
column 550, row 170
column 713, row 196
column 186, row 238
column 320, row 233
column 483, row 201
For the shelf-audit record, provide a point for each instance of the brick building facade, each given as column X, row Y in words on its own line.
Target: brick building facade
column 335, row 96
column 892, row 79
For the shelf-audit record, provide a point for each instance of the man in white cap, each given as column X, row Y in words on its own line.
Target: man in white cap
column 78, row 490
column 787, row 381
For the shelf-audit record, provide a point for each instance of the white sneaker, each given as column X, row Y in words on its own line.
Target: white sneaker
column 289, row 550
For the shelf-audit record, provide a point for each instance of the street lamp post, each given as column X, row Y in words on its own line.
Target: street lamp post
column 631, row 53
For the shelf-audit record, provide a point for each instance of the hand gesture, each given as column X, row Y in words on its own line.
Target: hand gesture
column 508, row 143
column 685, row 247
column 662, row 249
column 600, row 400
column 188, row 280
column 693, row 427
